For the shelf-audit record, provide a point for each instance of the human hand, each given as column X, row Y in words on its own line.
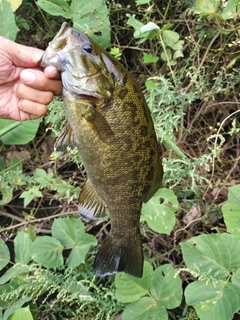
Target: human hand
column 25, row 89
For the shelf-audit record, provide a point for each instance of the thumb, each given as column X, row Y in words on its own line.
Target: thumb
column 21, row 56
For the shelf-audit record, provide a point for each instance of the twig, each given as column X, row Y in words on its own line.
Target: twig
column 37, row 220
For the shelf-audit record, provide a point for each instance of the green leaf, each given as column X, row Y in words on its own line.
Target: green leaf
column 150, row 26
column 206, row 6
column 167, row 286
column 20, row 313
column 149, row 58
column 8, row 27
column 22, row 133
column 231, row 211
column 91, row 17
column 6, row 195
column 71, row 233
column 129, row 288
column 178, row 45
column 55, row 8
column 78, row 253
column 177, row 54
column 170, row 38
column 234, row 194
column 4, row 254
column 68, row 231
column 47, row 251
column 160, row 216
column 13, row 272
column 166, row 55
column 229, row 12
column 212, row 255
column 22, row 245
column 216, row 302
column 145, row 308
column 30, row 194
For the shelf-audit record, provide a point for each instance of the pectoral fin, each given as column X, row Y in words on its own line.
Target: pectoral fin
column 90, row 205
column 65, row 139
column 96, row 121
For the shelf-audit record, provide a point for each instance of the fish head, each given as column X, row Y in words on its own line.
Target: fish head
column 86, row 69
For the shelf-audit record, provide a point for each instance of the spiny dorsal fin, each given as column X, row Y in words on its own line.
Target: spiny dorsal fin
column 90, row 206
column 65, row 139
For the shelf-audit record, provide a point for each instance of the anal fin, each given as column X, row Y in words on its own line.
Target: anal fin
column 90, row 205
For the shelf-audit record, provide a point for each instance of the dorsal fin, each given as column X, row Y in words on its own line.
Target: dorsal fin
column 90, row 205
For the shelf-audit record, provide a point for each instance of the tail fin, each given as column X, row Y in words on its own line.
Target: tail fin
column 115, row 256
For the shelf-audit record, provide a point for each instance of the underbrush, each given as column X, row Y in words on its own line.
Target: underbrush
column 186, row 58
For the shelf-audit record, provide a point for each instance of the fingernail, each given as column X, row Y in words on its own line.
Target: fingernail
column 27, row 76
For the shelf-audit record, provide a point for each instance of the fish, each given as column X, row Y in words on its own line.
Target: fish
column 111, row 125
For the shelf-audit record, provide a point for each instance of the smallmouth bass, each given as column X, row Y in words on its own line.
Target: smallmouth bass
column 110, row 123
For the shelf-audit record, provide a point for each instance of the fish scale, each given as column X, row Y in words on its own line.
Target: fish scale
column 111, row 125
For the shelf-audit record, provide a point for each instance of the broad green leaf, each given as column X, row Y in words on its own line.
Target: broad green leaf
column 150, row 26
column 13, row 272
column 143, row 309
column 6, row 195
column 55, row 8
column 136, row 24
column 149, row 58
column 71, row 232
column 159, row 211
column 218, row 301
column 22, row 245
column 206, row 6
column 178, row 45
column 15, row 312
column 47, row 251
column 229, row 12
column 236, row 277
column 91, row 17
column 166, row 55
column 212, row 255
column 170, row 38
column 167, row 286
column 129, row 288
column 15, row 4
column 177, row 54
column 78, row 253
column 234, row 194
column 231, row 211
column 8, row 28
column 68, row 231
column 22, row 133
column 4, row 254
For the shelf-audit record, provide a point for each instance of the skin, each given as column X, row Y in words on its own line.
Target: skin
column 25, row 89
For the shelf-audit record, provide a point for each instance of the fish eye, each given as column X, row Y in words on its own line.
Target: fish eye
column 87, row 47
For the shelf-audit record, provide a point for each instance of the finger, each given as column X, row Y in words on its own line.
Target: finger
column 52, row 73
column 33, row 109
column 38, row 80
column 23, row 91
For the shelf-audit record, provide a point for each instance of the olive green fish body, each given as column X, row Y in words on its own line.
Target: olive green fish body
column 114, row 133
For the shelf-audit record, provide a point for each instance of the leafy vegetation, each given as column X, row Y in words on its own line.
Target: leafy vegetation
column 187, row 57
